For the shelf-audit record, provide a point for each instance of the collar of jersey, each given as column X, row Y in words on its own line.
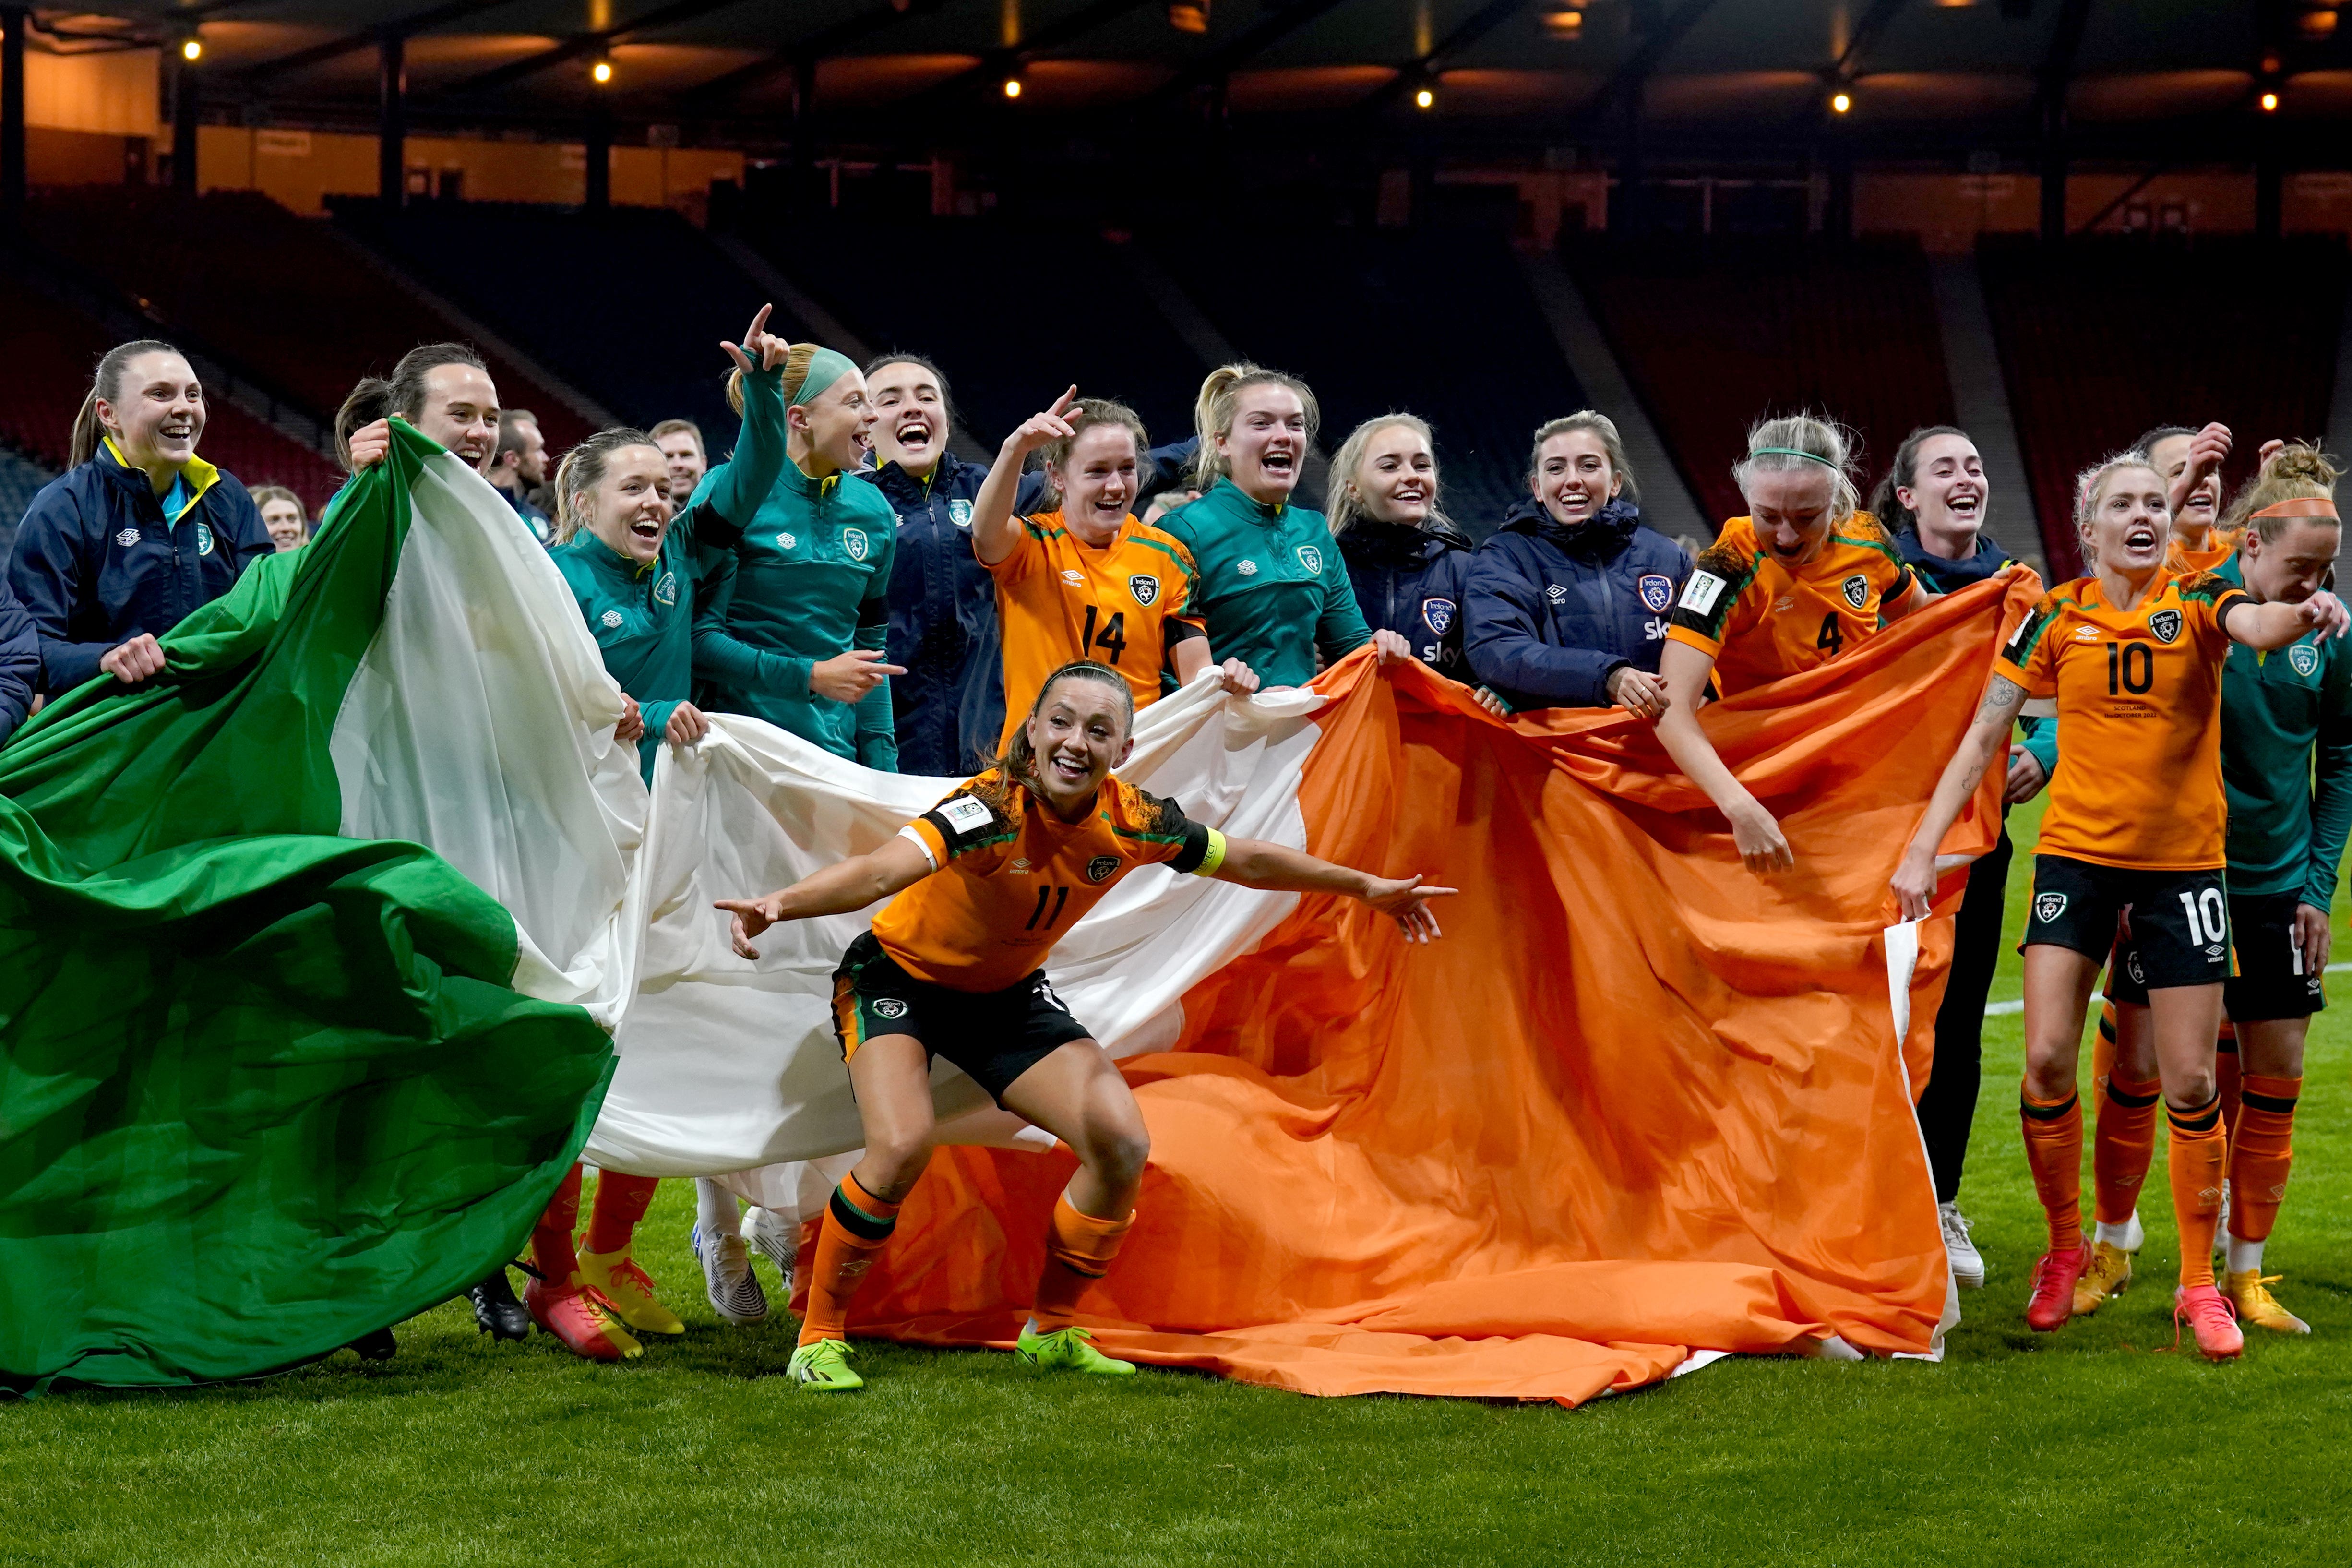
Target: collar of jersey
column 198, row 475
column 808, row 484
column 605, row 558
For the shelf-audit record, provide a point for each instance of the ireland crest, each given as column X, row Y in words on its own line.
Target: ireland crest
column 854, row 541
column 1311, row 558
column 1145, row 587
column 2166, row 624
column 2304, row 659
column 2048, row 907
column 1856, row 590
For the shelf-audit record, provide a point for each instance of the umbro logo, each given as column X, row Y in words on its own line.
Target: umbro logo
column 1072, row 574
column 127, row 538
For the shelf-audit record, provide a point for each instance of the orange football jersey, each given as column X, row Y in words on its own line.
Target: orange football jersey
column 1126, row 604
column 2140, row 717
column 1760, row 620
column 2219, row 545
column 1012, row 876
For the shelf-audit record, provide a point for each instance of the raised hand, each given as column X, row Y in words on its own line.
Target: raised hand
column 753, row 916
column 1406, row 901
column 1039, row 429
column 771, row 350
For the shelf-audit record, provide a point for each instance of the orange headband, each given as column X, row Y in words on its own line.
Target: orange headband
column 2310, row 506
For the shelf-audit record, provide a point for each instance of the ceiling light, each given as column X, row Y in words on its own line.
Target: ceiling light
column 1564, row 23
column 1013, row 86
column 1189, row 16
column 601, row 71
column 2269, row 103
column 1840, row 101
column 193, row 50
column 1425, row 99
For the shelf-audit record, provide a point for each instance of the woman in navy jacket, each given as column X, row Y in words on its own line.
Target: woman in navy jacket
column 1567, row 603
column 20, row 663
column 1406, row 562
column 139, row 533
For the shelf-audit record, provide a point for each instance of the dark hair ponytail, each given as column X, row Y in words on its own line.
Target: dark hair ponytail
column 1903, row 473
column 1019, row 759
column 106, row 385
column 376, row 398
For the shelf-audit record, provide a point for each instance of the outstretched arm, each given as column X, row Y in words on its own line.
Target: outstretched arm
column 1762, row 846
column 2274, row 625
column 1274, row 869
column 1988, row 737
column 848, row 885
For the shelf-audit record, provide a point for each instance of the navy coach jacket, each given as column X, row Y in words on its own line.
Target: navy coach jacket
column 1552, row 612
column 96, row 565
column 1409, row 581
column 949, row 707
column 20, row 663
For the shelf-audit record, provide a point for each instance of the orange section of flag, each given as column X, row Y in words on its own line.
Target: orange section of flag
column 1637, row 1101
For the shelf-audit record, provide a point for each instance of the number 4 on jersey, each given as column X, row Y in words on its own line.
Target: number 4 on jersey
column 1113, row 634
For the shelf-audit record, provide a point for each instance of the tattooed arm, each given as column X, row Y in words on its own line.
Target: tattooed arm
column 1988, row 737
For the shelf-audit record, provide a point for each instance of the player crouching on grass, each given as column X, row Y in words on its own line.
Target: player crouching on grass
column 2133, row 655
column 981, row 886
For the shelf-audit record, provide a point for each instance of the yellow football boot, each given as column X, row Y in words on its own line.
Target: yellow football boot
column 2110, row 1271
column 628, row 1291
column 2256, row 1305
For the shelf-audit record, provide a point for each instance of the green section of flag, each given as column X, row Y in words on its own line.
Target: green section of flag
column 263, row 1088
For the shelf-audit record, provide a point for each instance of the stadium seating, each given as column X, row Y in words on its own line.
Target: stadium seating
column 957, row 297
column 1715, row 334
column 2111, row 337
column 20, row 479
column 1440, row 322
column 279, row 295
column 51, row 351
column 628, row 306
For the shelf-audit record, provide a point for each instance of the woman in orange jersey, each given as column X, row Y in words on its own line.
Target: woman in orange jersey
column 981, row 886
column 1789, row 586
column 1086, row 580
column 2132, row 656
column 2189, row 464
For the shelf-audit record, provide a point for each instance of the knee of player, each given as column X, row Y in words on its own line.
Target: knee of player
column 2189, row 1091
column 898, row 1157
column 1118, row 1151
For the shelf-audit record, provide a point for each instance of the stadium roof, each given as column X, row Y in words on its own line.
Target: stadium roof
column 1564, row 68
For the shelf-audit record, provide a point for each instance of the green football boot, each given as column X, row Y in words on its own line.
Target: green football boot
column 1070, row 1349
column 824, row 1367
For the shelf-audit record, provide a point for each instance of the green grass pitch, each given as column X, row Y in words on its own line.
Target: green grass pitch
column 2098, row 1445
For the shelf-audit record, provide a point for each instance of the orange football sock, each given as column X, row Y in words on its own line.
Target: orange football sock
column 2054, row 1152
column 2198, row 1155
column 2103, row 1046
column 2262, row 1148
column 1078, row 1251
column 551, row 1239
column 2122, row 1147
column 620, row 1203
column 855, row 1227
column 2226, row 1078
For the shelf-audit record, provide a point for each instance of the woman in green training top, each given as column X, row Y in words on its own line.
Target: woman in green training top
column 794, row 619
column 1274, row 588
column 631, row 567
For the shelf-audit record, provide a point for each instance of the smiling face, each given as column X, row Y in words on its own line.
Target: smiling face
column 830, row 432
column 2289, row 569
column 2126, row 529
column 1097, row 480
column 2169, row 458
column 461, row 412
column 1267, row 445
column 157, row 415
column 629, row 507
column 1791, row 512
column 1079, row 734
column 1573, row 477
column 1947, row 492
column 911, row 417
column 284, row 519
column 1396, row 479
column 683, row 452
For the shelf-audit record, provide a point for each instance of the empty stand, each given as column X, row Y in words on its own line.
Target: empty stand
column 20, row 479
column 629, row 305
column 1442, row 324
column 280, row 296
column 52, row 350
column 2108, row 338
column 1011, row 316
column 1715, row 334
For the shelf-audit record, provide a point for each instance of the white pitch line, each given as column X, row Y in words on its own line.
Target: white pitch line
column 2001, row 1009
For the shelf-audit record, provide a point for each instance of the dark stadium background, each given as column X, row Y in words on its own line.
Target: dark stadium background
column 2051, row 221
